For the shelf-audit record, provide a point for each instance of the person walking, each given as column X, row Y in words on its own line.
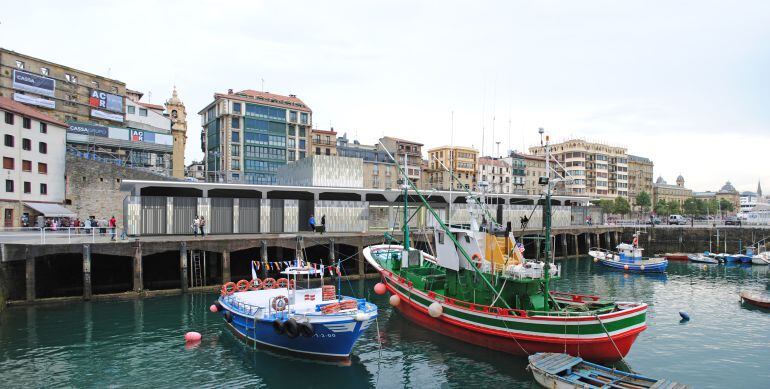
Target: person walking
column 113, row 226
column 203, row 226
column 311, row 223
column 323, row 224
column 195, row 225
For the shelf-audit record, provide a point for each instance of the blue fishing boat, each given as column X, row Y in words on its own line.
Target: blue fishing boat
column 563, row 371
column 311, row 322
column 629, row 258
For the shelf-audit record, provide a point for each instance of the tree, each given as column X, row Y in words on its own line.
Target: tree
column 621, row 206
column 702, row 207
column 661, row 208
column 691, row 207
column 643, row 201
column 608, row 206
column 713, row 207
column 673, row 207
column 726, row 206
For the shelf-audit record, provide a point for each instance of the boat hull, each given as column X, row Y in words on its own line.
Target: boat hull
column 755, row 299
column 758, row 260
column 636, row 267
column 676, row 257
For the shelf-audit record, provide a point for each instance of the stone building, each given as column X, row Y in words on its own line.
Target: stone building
column 401, row 148
column 661, row 190
column 534, row 169
column 639, row 177
column 496, row 173
column 461, row 162
column 323, row 142
column 379, row 171
column 33, row 153
column 729, row 193
column 176, row 111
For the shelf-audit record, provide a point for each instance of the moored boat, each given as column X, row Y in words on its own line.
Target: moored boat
column 312, row 322
column 563, row 371
column 758, row 299
column 703, row 258
column 676, row 256
column 629, row 258
column 761, row 259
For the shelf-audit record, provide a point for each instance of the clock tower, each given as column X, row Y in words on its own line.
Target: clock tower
column 176, row 111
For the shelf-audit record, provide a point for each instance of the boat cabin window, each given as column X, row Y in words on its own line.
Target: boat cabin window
column 467, row 239
column 441, row 238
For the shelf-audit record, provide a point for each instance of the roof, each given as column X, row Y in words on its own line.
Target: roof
column 493, row 162
column 328, row 132
column 151, row 106
column 728, row 188
column 252, row 96
column 402, row 140
column 454, row 147
column 531, row 156
column 50, row 210
column 638, row 159
column 13, row 106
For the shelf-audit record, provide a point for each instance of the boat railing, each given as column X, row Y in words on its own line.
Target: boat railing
column 245, row 308
column 605, row 251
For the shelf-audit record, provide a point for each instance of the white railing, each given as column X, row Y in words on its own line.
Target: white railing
column 59, row 235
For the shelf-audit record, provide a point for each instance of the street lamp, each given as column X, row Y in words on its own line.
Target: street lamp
column 216, row 155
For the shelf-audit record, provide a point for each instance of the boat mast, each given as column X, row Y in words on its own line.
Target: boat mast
column 406, row 210
column 547, row 210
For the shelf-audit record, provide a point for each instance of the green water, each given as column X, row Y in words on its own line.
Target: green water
column 139, row 343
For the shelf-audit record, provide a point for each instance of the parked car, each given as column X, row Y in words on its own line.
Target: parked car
column 677, row 219
column 654, row 220
column 732, row 221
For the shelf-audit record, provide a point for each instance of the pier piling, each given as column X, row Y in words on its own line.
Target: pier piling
column 577, row 246
column 138, row 276
column 263, row 256
column 87, row 291
column 30, row 277
column 564, row 248
column 360, row 256
column 183, row 266
column 225, row 266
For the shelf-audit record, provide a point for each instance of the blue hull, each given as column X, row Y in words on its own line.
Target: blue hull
column 732, row 258
column 636, row 267
column 333, row 339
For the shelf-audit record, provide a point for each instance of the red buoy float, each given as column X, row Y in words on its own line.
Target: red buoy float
column 192, row 336
column 379, row 288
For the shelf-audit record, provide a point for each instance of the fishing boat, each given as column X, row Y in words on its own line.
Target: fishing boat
column 761, row 259
column 718, row 256
column 478, row 287
column 755, row 298
column 676, row 256
column 703, row 258
column 731, row 258
column 629, row 258
column 311, row 322
column 742, row 258
column 563, row 371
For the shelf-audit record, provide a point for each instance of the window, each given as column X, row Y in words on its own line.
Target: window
column 317, row 151
column 8, row 118
column 236, row 164
column 9, row 140
column 303, row 118
column 302, row 131
column 236, row 137
column 42, row 168
column 301, row 155
column 131, row 109
column 236, row 123
column 9, row 185
column 26, row 166
column 302, row 144
column 43, row 148
column 27, row 187
column 44, row 71
column 43, row 128
column 43, row 189
column 7, row 163
column 293, row 116
column 20, row 64
column 95, row 84
column 292, row 130
column 70, row 78
column 114, row 89
column 142, row 111
column 26, row 123
column 26, row 144
column 235, row 151
column 292, row 155
column 237, row 107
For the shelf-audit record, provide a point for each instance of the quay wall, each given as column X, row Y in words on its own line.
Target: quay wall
column 692, row 240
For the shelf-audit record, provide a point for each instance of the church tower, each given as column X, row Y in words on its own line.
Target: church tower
column 759, row 189
column 178, row 115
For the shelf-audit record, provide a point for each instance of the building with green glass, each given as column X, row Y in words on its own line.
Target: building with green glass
column 246, row 136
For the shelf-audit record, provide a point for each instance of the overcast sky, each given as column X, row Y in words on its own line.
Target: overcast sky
column 685, row 83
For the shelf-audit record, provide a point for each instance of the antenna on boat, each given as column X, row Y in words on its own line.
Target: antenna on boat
column 547, row 212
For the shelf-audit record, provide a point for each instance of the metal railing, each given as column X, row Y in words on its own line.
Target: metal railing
column 58, row 235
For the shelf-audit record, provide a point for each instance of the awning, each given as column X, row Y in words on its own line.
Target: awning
column 50, row 210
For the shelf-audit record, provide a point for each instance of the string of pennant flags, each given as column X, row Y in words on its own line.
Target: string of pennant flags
column 318, row 268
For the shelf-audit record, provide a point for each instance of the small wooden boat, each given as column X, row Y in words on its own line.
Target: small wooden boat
column 676, row 256
column 701, row 258
column 755, row 298
column 563, row 371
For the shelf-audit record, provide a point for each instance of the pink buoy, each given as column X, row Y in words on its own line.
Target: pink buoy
column 379, row 288
column 192, row 336
column 213, row 308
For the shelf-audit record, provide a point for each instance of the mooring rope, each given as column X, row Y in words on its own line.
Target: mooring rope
column 613, row 343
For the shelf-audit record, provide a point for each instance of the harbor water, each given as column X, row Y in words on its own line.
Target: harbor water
column 139, row 343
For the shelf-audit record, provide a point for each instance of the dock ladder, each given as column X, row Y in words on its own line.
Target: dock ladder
column 198, row 269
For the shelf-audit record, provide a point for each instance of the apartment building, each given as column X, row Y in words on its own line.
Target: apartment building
column 323, row 142
column 639, row 177
column 379, row 171
column 412, row 151
column 448, row 161
column 496, row 173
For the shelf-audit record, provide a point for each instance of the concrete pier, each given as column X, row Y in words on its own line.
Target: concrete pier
column 183, row 276
column 87, row 291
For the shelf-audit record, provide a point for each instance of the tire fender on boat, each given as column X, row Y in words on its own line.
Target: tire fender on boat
column 228, row 316
column 292, row 328
column 306, row 329
column 278, row 327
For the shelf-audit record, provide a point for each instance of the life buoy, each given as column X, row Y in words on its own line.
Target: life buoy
column 278, row 327
column 228, row 288
column 280, row 303
column 476, row 258
column 331, row 308
column 242, row 285
column 268, row 283
column 306, row 329
column 256, row 284
column 292, row 328
column 281, row 283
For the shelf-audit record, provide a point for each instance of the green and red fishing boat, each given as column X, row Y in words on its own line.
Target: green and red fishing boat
column 477, row 287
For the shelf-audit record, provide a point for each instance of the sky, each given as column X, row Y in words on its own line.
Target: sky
column 684, row 83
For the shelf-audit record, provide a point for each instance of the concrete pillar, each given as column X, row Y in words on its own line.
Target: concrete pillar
column 597, row 241
column 332, row 251
column 587, row 241
column 617, row 237
column 138, row 275
column 263, row 252
column 537, row 249
column 564, row 248
column 607, row 239
column 361, row 259
column 225, row 266
column 87, row 272
column 30, row 274
column 576, row 244
column 183, row 266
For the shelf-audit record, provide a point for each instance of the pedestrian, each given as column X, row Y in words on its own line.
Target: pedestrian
column 113, row 226
column 195, row 225
column 323, row 224
column 203, row 227
column 311, row 223
column 103, row 225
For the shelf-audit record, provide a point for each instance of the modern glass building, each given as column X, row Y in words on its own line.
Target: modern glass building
column 246, row 136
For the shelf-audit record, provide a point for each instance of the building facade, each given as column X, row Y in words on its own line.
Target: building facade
column 595, row 169
column 535, row 168
column 462, row 164
column 248, row 135
column 379, row 171
column 496, row 173
column 518, row 165
column 729, row 193
column 661, row 190
column 323, row 142
column 33, row 153
column 404, row 149
column 177, row 113
column 323, row 171
column 195, row 171
column 639, row 177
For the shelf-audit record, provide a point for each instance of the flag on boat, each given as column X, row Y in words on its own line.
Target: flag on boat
column 253, row 270
column 520, row 247
column 636, row 240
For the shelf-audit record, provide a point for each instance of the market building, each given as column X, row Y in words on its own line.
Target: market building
column 661, row 190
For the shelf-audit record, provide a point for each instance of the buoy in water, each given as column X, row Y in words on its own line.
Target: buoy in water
column 379, row 288
column 213, row 308
column 641, row 267
column 435, row 309
column 684, row 315
column 394, row 300
column 705, row 267
column 596, row 259
column 625, row 267
column 192, row 336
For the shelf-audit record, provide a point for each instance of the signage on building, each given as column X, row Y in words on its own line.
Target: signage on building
column 88, row 129
column 33, row 100
column 137, row 136
column 104, row 100
column 34, row 83
column 106, row 115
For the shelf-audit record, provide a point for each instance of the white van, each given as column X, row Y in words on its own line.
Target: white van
column 677, row 219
